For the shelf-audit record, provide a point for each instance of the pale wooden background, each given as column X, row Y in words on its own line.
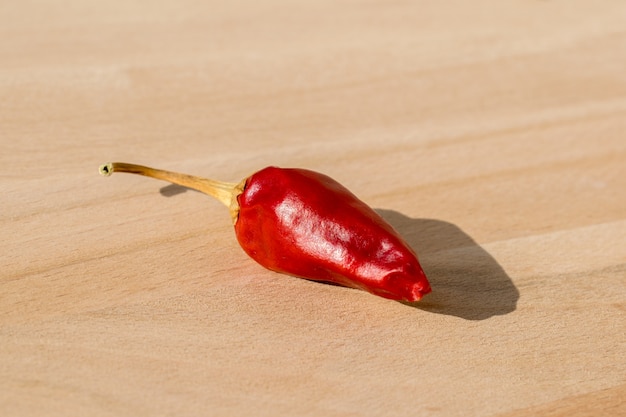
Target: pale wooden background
column 491, row 133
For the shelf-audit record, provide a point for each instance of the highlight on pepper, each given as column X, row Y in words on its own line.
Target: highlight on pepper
column 305, row 224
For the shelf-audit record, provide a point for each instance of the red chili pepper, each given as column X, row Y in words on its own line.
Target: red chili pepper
column 306, row 224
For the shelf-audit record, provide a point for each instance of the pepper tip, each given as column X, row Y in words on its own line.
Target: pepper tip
column 418, row 291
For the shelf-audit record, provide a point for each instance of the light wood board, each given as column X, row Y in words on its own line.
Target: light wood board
column 491, row 134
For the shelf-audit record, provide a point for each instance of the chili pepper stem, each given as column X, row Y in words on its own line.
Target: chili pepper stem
column 225, row 192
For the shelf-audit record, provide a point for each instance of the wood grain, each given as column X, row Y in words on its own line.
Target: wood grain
column 490, row 134
column 610, row 401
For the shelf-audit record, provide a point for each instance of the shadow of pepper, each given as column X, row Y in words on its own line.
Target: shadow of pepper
column 467, row 282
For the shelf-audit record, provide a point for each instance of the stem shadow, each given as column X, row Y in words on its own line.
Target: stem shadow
column 171, row 190
column 467, row 281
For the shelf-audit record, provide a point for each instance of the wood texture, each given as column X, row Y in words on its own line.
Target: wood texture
column 490, row 133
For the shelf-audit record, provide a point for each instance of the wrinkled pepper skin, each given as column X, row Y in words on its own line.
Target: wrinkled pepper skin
column 306, row 224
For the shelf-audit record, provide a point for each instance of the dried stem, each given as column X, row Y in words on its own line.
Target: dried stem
column 225, row 192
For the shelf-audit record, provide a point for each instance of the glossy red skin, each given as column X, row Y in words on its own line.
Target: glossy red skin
column 306, row 224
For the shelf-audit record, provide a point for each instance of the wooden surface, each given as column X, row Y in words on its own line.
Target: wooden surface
column 491, row 133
